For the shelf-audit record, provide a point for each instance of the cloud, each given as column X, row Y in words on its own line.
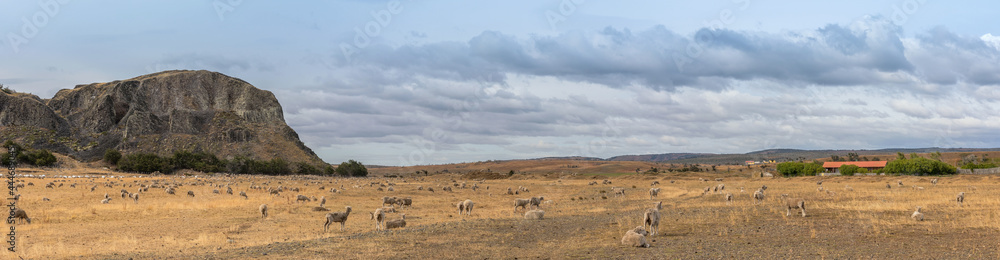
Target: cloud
column 910, row 108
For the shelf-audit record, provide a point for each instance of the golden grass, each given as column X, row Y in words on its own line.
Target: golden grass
column 74, row 223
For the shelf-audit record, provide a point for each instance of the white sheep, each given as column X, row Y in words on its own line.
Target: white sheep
column 379, row 217
column 322, row 201
column 635, row 237
column 618, row 191
column 934, row 181
column 534, row 214
column 729, row 198
column 917, row 215
column 337, row 217
column 653, row 192
column 522, row 203
column 652, row 218
column 960, row 198
column 758, row 196
column 466, row 207
column 263, row 210
column 407, row 202
column 794, row 203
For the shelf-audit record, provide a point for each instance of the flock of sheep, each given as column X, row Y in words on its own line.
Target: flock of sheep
column 636, row 237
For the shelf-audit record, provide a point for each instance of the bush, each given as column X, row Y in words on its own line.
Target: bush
column 112, row 156
column 200, row 161
column 352, row 168
column 305, row 168
column 145, row 163
column 979, row 165
column 919, row 166
column 849, row 169
column 789, row 169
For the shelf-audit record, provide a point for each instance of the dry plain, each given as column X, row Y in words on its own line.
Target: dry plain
column 852, row 217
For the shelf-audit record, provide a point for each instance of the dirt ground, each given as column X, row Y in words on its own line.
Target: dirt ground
column 851, row 217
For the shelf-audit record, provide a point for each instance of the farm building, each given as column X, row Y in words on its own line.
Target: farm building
column 834, row 167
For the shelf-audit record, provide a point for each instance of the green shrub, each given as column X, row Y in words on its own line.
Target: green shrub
column 352, row 168
column 850, row 169
column 145, row 163
column 789, row 169
column 979, row 165
column 112, row 156
column 919, row 166
column 305, row 168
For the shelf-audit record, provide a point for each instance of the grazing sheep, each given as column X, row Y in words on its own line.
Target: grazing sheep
column 301, row 197
column 534, row 214
column 216, row 191
column 618, row 192
column 819, row 182
column 606, row 182
column 592, row 183
column 431, row 189
column 729, row 198
column 275, row 192
column 653, row 192
column 263, row 210
column 379, row 217
column 536, row 202
column 337, row 217
column 106, row 201
column 243, row 194
column 407, row 202
column 171, row 191
column 320, row 209
column 652, row 218
column 960, row 198
column 522, row 203
column 322, row 200
column 758, row 196
column 22, row 215
column 794, row 203
column 654, row 183
column 390, row 189
column 191, row 193
column 106, row 196
column 934, row 181
column 399, row 223
column 229, row 190
column 388, row 200
column 917, row 215
column 635, row 237
column 720, row 187
column 888, row 186
column 135, row 197
column 466, row 206
column 900, row 182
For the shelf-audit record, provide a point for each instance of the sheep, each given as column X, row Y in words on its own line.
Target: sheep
column 819, row 182
column 534, row 214
column 606, row 182
column 654, row 183
column 322, row 201
column 536, row 202
column 758, row 196
column 729, row 198
column 934, row 181
column 466, row 206
column 320, row 208
column 390, row 189
column 404, row 202
column 274, row 192
column 707, row 190
column 399, row 223
column 216, row 191
column 510, row 191
column 960, row 198
column 900, row 182
column 243, row 194
column 618, row 191
column 106, row 196
column 652, row 218
column 263, row 210
column 794, row 203
column 917, row 215
column 430, row 189
column 337, row 217
column 721, row 187
column 379, row 217
column 106, row 201
column 888, row 186
column 170, row 191
column 635, row 237
column 135, row 197
column 522, row 203
column 653, row 192
column 388, row 200
column 22, row 215
column 301, row 197
column 229, row 190
column 191, row 193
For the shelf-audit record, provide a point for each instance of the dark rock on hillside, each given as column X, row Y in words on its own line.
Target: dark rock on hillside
column 170, row 111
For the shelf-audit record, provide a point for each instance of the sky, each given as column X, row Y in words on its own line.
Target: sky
column 429, row 82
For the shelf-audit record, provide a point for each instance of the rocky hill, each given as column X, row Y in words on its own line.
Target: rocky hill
column 157, row 113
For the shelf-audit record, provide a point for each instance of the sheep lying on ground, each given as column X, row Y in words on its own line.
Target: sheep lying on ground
column 917, row 215
column 337, row 217
column 794, row 203
column 635, row 238
column 653, row 192
column 522, row 203
column 399, row 223
column 534, row 214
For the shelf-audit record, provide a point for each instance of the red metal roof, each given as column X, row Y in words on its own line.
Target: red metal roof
column 862, row 164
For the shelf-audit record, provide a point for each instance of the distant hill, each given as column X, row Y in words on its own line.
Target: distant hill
column 156, row 113
column 782, row 155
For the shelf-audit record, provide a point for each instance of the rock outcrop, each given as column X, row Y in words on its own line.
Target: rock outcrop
column 162, row 113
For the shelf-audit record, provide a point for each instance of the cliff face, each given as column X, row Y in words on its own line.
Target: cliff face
column 171, row 111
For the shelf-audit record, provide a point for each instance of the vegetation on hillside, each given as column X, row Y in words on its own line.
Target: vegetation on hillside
column 36, row 157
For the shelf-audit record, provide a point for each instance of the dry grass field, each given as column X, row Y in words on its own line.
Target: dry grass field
column 581, row 220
